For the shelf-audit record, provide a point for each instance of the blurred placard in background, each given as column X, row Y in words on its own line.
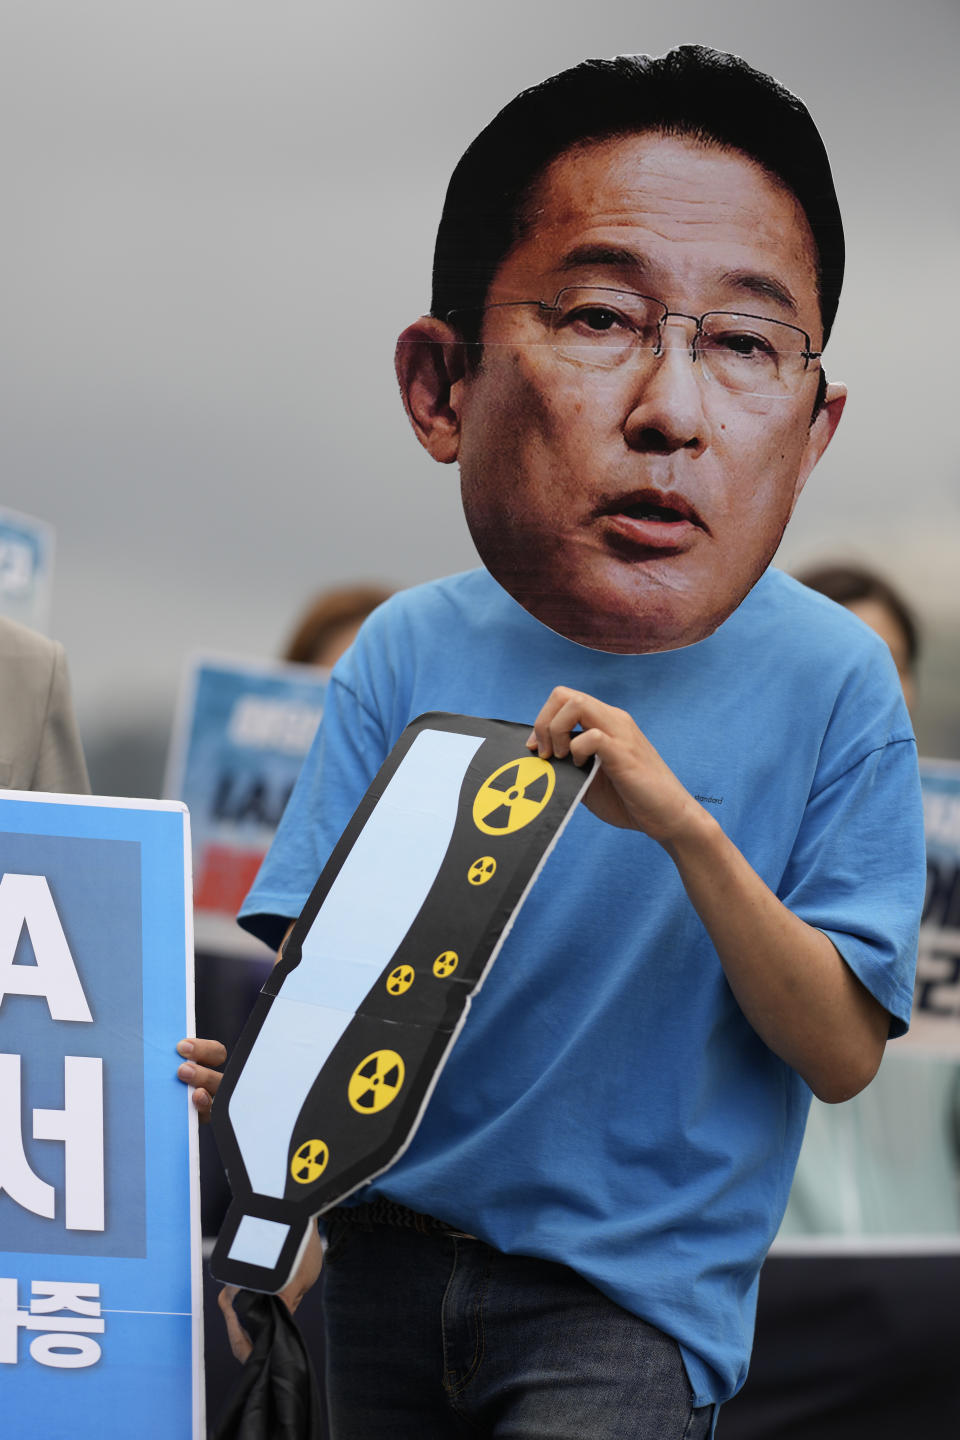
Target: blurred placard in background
column 240, row 736
column 935, row 1027
column 26, row 566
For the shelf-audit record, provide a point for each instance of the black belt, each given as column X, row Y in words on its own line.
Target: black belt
column 383, row 1211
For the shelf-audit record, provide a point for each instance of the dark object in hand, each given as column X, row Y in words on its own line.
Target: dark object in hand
column 277, row 1397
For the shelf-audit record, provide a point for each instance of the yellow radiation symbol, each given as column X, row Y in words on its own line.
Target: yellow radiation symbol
column 375, row 1082
column 482, row 870
column 513, row 795
column 309, row 1162
column 445, row 964
column 400, row 979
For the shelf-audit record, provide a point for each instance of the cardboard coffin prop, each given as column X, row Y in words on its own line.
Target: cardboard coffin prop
column 338, row 1061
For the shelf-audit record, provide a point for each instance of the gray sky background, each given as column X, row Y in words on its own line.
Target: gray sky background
column 218, row 216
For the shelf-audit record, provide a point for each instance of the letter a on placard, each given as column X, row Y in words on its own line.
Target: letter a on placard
column 25, row 900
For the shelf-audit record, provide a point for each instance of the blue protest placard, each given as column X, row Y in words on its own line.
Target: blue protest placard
column 242, row 731
column 26, row 564
column 935, row 1026
column 100, row 1310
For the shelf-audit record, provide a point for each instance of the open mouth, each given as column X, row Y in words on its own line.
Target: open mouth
column 646, row 510
column 653, row 506
column 650, row 520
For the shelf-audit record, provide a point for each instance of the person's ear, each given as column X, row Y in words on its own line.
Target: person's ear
column 430, row 363
column 822, row 429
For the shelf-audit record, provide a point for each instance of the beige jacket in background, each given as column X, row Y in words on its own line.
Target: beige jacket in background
column 39, row 741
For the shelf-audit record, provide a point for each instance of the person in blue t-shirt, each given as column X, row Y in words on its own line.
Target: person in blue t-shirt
column 636, row 272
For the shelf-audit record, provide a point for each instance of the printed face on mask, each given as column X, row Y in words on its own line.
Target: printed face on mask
column 640, row 421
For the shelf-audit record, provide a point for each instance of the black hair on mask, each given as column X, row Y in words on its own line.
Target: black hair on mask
column 691, row 91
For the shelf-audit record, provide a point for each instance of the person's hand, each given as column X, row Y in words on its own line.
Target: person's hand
column 304, row 1278
column 200, row 1059
column 634, row 788
column 307, row 1272
column 240, row 1342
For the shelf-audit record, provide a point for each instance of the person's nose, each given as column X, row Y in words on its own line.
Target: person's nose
column 666, row 406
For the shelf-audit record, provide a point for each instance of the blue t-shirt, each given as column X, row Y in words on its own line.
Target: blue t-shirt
column 608, row 1105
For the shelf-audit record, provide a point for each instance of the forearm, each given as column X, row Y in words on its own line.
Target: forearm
column 789, row 979
column 286, row 936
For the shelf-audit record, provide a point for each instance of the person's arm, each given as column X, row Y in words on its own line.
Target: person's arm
column 305, row 1277
column 60, row 763
column 788, row 978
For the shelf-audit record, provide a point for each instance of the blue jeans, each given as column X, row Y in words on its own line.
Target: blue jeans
column 434, row 1336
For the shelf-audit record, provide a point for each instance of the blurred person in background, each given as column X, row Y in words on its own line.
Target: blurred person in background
column 882, row 1165
column 878, row 605
column 885, row 1162
column 39, row 742
column 330, row 623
